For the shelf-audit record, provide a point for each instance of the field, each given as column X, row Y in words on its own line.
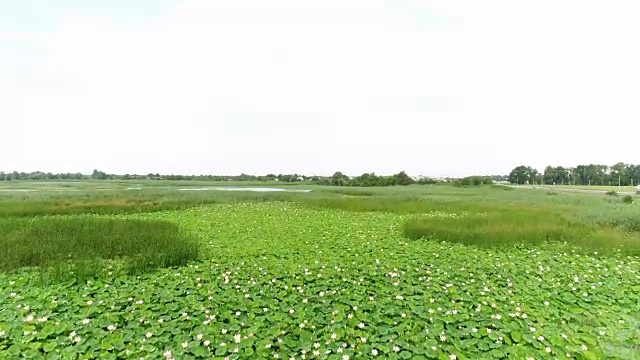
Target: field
column 622, row 189
column 417, row 272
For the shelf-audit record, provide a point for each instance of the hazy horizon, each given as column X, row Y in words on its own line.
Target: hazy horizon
column 436, row 88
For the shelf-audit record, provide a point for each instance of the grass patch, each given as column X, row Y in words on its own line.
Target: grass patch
column 351, row 192
column 122, row 202
column 81, row 244
column 517, row 229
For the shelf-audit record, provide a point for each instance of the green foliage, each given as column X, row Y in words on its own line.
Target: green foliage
column 286, row 280
column 523, row 175
column 516, row 229
column 611, row 193
column 628, row 199
column 502, row 187
column 619, row 174
column 473, row 181
column 370, row 180
column 71, row 243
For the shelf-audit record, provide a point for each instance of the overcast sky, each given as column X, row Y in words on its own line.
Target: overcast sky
column 280, row 86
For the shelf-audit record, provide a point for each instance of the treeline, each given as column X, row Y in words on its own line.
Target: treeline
column 473, row 181
column 593, row 174
column 337, row 179
column 373, row 180
column 100, row 175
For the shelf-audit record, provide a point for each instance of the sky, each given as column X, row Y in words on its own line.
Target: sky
column 437, row 88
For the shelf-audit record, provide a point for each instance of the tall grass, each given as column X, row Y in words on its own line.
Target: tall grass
column 122, row 202
column 513, row 229
column 81, row 244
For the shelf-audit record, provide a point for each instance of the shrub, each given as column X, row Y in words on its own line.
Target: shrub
column 628, row 199
column 612, row 193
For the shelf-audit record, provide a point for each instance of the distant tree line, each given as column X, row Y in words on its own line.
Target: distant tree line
column 473, row 181
column 593, row 174
column 373, row 180
column 337, row 179
column 101, row 175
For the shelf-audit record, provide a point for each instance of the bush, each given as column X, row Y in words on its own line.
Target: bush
column 82, row 243
column 612, row 193
column 473, row 181
column 628, row 199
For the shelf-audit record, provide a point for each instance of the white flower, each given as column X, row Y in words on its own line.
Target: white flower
column 316, row 345
column 237, row 338
column 85, row 321
column 361, row 325
column 345, row 357
column 584, row 347
column 453, row 357
column 223, row 331
column 148, row 335
column 333, row 336
column 396, row 348
column 601, row 332
column 89, row 302
column 206, row 343
column 77, row 339
column 374, row 352
column 185, row 345
column 547, row 349
column 199, row 337
column 111, row 327
column 167, row 354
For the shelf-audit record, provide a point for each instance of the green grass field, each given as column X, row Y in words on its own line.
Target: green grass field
column 417, row 272
column 594, row 187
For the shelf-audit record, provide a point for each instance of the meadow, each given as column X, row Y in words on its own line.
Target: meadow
column 93, row 270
